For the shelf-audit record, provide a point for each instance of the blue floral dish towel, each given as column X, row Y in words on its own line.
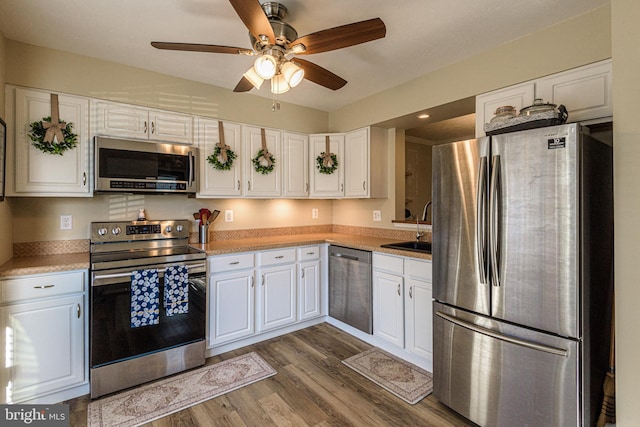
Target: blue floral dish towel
column 145, row 298
column 176, row 290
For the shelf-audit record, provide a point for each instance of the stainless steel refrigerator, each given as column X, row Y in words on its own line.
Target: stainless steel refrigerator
column 523, row 276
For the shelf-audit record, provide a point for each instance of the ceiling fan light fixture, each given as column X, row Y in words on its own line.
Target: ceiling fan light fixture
column 253, row 77
column 265, row 66
column 279, row 84
column 292, row 73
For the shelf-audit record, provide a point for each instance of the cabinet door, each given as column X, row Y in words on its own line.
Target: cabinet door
column 518, row 96
column 231, row 307
column 585, row 91
column 356, row 169
column 418, row 317
column 309, row 290
column 115, row 119
column 44, row 348
column 326, row 185
column 277, row 297
column 295, row 151
column 214, row 182
column 388, row 311
column 258, row 184
column 38, row 173
column 171, row 127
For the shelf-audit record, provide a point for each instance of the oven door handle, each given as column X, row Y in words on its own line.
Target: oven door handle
column 128, row 274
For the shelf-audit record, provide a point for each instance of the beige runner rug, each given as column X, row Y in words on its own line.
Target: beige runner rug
column 158, row 399
column 409, row 382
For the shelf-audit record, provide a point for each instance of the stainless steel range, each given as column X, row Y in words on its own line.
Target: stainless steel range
column 148, row 303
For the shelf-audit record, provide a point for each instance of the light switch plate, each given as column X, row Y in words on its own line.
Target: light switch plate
column 228, row 215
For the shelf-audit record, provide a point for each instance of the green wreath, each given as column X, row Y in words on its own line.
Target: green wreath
column 37, row 133
column 327, row 170
column 264, row 170
column 214, row 159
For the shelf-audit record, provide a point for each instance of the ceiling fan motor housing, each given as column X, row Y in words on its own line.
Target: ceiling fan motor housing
column 284, row 32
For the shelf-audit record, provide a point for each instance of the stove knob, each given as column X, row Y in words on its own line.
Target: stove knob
column 179, row 228
column 168, row 229
column 116, row 230
column 102, row 231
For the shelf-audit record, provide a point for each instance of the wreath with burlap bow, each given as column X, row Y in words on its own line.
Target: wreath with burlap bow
column 264, row 162
column 223, row 156
column 51, row 135
column 327, row 162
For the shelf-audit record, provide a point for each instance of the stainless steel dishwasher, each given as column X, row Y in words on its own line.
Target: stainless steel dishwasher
column 350, row 289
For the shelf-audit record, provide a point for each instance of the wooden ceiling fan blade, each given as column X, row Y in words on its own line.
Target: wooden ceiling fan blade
column 342, row 36
column 194, row 47
column 319, row 75
column 254, row 18
column 244, row 85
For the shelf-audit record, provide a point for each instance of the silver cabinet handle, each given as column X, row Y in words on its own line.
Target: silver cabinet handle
column 78, row 310
column 84, row 178
column 341, row 187
column 43, row 286
column 311, row 253
column 263, row 280
column 364, row 185
column 238, row 185
column 280, row 257
column 252, row 281
column 410, row 294
column 302, row 274
column 146, row 128
column 249, row 185
column 234, row 263
column 398, row 289
column 306, row 186
column 153, row 127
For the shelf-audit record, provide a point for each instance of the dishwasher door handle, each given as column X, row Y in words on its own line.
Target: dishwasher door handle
column 339, row 255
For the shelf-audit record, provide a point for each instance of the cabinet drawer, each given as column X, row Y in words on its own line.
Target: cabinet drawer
column 42, row 286
column 417, row 269
column 308, row 252
column 391, row 264
column 277, row 257
column 218, row 264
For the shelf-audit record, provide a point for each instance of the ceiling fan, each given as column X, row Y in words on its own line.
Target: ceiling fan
column 275, row 43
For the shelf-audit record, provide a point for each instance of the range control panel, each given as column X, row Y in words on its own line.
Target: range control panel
column 123, row 231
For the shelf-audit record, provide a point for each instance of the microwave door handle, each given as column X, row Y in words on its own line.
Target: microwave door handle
column 192, row 167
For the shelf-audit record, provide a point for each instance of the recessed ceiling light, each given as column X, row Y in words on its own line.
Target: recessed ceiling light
column 423, row 116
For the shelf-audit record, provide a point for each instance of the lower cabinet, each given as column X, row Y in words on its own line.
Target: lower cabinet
column 402, row 303
column 253, row 293
column 44, row 328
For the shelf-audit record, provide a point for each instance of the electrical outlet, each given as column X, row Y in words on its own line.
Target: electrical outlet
column 228, row 215
column 377, row 215
column 314, row 213
column 66, row 222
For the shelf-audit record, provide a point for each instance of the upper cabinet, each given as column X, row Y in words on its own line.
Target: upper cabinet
column 365, row 155
column 326, row 185
column 115, row 119
column 219, row 182
column 585, row 91
column 33, row 172
column 295, row 165
column 259, row 180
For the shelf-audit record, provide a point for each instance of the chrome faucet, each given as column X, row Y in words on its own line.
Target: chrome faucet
column 419, row 233
column 424, row 211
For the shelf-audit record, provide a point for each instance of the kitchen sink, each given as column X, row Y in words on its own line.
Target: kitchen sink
column 414, row 246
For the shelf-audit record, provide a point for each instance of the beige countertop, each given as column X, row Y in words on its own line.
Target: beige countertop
column 80, row 261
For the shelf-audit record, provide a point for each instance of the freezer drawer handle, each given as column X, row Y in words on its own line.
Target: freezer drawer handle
column 492, row 334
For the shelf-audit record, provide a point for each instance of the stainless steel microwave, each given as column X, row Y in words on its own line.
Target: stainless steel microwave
column 129, row 166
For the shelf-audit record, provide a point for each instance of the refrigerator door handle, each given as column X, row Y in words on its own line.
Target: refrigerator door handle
column 506, row 338
column 481, row 220
column 495, row 194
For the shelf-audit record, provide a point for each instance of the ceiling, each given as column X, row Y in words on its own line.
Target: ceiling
column 422, row 36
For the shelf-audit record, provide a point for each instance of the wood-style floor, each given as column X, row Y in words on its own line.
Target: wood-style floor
column 312, row 388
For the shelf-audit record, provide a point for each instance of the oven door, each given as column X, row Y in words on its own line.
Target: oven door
column 112, row 337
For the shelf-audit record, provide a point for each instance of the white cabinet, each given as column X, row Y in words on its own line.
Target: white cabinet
column 402, row 303
column 365, row 170
column 518, row 96
column 323, row 185
column 44, row 329
column 295, row 152
column 257, row 183
column 309, row 285
column 123, row 120
column 585, row 91
column 418, row 306
column 277, row 289
column 231, row 298
column 214, row 182
column 35, row 173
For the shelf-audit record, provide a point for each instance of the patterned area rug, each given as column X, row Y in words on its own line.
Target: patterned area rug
column 409, row 382
column 158, row 399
